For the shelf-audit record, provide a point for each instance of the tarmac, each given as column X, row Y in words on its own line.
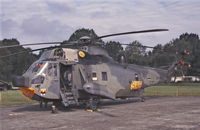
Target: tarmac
column 156, row 113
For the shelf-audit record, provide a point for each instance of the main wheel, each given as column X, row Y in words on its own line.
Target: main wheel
column 92, row 104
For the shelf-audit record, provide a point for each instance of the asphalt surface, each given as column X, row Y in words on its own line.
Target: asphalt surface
column 156, row 113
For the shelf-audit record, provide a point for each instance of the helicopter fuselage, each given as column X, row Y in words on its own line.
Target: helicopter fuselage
column 85, row 73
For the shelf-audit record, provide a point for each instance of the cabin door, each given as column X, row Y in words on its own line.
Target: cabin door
column 66, row 77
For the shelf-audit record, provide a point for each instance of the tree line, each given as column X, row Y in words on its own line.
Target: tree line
column 161, row 55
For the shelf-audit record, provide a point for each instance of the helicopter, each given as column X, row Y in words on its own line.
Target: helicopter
column 82, row 73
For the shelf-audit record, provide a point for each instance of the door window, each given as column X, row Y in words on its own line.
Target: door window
column 94, row 76
column 104, row 76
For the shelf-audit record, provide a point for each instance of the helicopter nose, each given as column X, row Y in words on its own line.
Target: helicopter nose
column 21, row 81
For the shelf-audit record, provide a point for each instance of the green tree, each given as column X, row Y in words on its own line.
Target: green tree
column 114, row 49
column 16, row 64
column 166, row 55
column 136, row 53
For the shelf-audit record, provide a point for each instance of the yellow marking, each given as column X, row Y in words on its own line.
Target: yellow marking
column 136, row 85
column 81, row 54
column 98, row 110
column 89, row 110
column 28, row 92
column 15, row 114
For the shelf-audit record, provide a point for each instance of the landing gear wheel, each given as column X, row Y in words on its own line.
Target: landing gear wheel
column 92, row 104
column 142, row 99
column 54, row 109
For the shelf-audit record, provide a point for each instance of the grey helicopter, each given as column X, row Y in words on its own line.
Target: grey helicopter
column 82, row 72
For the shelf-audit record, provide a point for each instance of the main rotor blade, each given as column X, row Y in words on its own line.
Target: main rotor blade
column 68, row 44
column 138, row 46
column 125, row 33
column 32, row 44
column 27, row 51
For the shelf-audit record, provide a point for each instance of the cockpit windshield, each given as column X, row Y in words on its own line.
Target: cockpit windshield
column 43, row 67
column 36, row 67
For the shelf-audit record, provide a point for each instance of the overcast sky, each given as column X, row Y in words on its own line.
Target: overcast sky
column 33, row 21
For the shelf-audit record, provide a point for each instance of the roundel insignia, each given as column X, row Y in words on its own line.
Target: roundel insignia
column 81, row 54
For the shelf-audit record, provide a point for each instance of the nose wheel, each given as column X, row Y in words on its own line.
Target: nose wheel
column 54, row 109
column 43, row 104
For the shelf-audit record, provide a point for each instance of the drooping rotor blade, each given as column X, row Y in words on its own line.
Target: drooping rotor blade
column 125, row 33
column 68, row 44
column 27, row 51
column 32, row 44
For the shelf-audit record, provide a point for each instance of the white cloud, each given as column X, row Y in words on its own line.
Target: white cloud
column 46, row 20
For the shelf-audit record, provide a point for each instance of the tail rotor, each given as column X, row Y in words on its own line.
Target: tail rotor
column 181, row 65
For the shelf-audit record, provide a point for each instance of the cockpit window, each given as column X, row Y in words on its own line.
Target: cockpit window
column 55, row 69
column 45, row 55
column 94, row 76
column 52, row 69
column 44, row 67
column 36, row 67
column 38, row 80
column 104, row 76
column 49, row 70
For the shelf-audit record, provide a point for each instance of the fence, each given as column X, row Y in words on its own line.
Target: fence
column 187, row 89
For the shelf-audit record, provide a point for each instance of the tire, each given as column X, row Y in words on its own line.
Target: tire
column 92, row 104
